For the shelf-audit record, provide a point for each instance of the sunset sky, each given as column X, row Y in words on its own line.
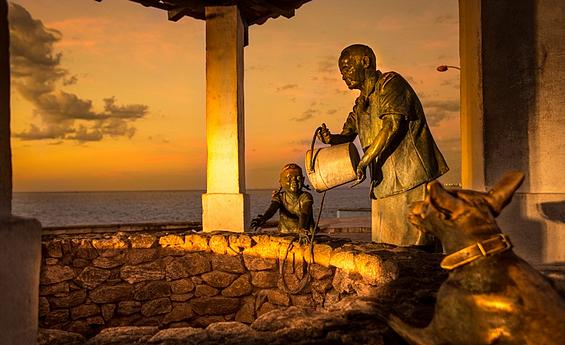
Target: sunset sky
column 111, row 95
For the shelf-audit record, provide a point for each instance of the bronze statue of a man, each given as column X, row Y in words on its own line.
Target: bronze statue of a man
column 398, row 147
column 294, row 204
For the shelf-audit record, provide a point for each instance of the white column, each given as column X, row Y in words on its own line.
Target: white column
column 471, row 93
column 225, row 204
column 20, row 239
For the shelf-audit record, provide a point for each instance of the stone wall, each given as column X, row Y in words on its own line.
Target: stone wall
column 91, row 282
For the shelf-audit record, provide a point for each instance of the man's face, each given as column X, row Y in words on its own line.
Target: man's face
column 292, row 180
column 352, row 71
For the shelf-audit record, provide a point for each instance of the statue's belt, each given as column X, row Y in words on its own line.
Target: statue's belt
column 488, row 247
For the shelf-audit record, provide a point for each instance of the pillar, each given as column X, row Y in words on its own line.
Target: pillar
column 513, row 101
column 472, row 159
column 225, row 205
column 20, row 238
column 5, row 149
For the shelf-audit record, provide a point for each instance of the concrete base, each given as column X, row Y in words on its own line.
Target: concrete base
column 226, row 212
column 20, row 261
column 535, row 223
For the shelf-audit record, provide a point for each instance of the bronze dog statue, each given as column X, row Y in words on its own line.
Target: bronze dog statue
column 491, row 295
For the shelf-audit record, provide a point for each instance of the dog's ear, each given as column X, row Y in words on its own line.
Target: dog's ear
column 443, row 200
column 501, row 194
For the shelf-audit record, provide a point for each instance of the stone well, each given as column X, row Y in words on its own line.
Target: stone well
column 188, row 279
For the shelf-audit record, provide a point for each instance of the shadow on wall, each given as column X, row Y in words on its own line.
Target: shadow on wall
column 526, row 232
column 553, row 211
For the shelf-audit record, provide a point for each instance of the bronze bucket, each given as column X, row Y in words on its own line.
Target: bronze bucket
column 332, row 166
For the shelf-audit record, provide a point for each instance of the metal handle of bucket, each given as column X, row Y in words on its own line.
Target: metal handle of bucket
column 319, row 129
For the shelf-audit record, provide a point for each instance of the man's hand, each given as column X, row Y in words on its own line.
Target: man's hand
column 325, row 135
column 360, row 172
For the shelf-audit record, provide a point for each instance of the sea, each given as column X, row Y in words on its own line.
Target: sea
column 91, row 208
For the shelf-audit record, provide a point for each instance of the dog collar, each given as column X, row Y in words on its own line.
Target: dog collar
column 488, row 247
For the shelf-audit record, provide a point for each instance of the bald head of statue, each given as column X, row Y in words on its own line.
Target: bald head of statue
column 354, row 62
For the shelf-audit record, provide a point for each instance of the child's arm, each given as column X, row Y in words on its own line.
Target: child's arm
column 258, row 221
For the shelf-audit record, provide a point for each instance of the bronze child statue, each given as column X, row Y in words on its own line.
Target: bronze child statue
column 294, row 204
column 491, row 295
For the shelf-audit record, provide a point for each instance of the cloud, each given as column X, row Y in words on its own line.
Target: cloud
column 328, row 65
column 306, row 115
column 440, row 110
column 446, row 19
column 37, row 75
column 287, row 87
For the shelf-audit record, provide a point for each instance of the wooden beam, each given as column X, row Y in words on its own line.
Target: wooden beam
column 275, row 9
column 189, row 7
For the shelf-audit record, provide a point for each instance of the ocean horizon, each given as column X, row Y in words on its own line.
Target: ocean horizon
column 68, row 208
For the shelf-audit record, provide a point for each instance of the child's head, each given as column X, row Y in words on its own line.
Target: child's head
column 291, row 178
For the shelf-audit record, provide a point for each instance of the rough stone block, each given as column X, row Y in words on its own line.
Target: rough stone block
column 240, row 287
column 218, row 279
column 320, row 272
column 264, row 279
column 181, row 297
column 204, row 321
column 254, row 263
column 219, row 244
column 109, row 243
column 43, row 306
column 67, row 300
column 188, row 265
column 46, row 290
column 215, row 305
column 227, row 330
column 92, row 277
column 246, row 313
column 196, row 243
column 150, row 271
column 124, row 335
column 265, row 308
column 54, row 249
column 111, row 294
column 84, row 310
column 128, row 307
column 171, row 241
column 277, row 297
column 156, row 307
column 322, row 254
column 302, row 300
column 56, row 274
column 138, row 256
column 108, row 311
column 185, row 335
column 232, row 264
column 180, row 312
column 322, row 285
column 343, row 259
column 239, row 242
column 51, row 261
column 142, row 241
column 205, row 291
column 343, row 281
column 58, row 337
column 109, row 262
column 56, row 317
column 182, row 286
column 152, row 290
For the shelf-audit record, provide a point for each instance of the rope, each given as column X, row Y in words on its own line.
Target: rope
column 310, row 240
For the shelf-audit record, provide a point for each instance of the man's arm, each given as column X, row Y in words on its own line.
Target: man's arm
column 347, row 135
column 391, row 125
